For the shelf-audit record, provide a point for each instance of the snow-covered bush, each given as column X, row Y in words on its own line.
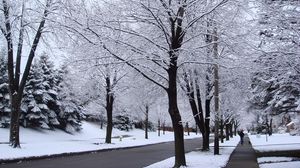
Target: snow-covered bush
column 141, row 125
column 70, row 112
column 123, row 122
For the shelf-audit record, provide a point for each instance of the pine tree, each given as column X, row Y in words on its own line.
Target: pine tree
column 4, row 95
column 33, row 108
column 50, row 83
column 40, row 106
column 123, row 122
column 48, row 99
column 70, row 114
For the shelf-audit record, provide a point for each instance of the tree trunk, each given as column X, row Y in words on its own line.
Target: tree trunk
column 158, row 125
column 14, row 138
column 235, row 131
column 164, row 128
column 230, row 130
column 179, row 142
column 101, row 123
column 222, row 130
column 146, row 121
column 271, row 128
column 235, row 128
column 109, row 110
column 207, row 127
column 178, row 136
column 175, row 115
column 204, row 120
column 227, row 127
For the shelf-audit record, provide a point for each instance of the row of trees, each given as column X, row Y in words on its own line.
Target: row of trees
column 161, row 40
column 47, row 99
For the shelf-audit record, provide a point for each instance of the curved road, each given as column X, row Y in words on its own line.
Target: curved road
column 132, row 158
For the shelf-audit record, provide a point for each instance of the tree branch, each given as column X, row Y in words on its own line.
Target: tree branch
column 160, row 24
column 191, row 23
column 134, row 67
column 33, row 48
column 20, row 46
column 138, row 35
column 10, row 54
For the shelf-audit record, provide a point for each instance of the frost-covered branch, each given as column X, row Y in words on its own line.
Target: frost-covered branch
column 134, row 67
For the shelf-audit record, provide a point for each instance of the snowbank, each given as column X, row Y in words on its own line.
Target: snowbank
column 198, row 159
column 276, row 142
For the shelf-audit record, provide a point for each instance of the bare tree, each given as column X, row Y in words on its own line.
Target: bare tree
column 103, row 76
column 173, row 23
column 16, row 86
column 144, row 96
column 192, row 89
column 109, row 104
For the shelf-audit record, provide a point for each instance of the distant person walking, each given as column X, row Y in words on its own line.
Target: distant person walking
column 241, row 134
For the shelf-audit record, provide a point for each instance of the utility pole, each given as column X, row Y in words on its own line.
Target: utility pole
column 216, row 92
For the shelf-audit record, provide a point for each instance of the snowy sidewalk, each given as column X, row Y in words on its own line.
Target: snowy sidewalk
column 243, row 156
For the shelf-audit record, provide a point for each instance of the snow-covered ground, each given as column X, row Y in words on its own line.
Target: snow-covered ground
column 198, row 159
column 276, row 142
column 36, row 143
column 91, row 138
column 46, row 142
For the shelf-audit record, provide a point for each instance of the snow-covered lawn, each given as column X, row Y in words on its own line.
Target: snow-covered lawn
column 46, row 142
column 276, row 142
column 198, row 159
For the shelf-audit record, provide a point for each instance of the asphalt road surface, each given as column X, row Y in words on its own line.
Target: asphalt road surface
column 128, row 158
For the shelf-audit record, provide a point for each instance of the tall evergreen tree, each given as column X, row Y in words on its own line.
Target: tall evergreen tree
column 40, row 106
column 4, row 94
column 70, row 114
column 50, row 83
column 33, row 108
column 48, row 98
